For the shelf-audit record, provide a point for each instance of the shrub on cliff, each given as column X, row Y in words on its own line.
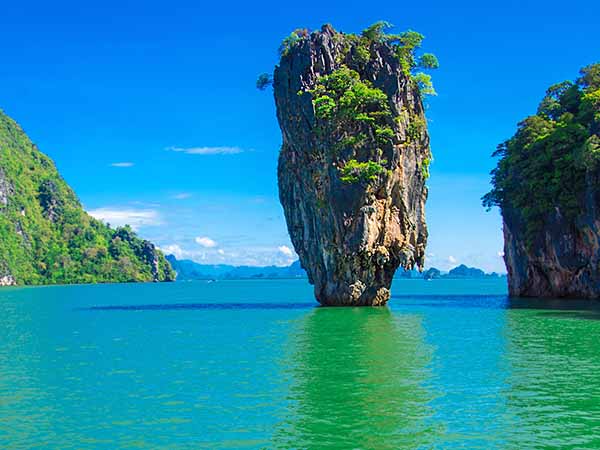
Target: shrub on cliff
column 544, row 165
column 405, row 45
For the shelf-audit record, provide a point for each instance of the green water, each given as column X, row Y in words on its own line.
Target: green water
column 254, row 364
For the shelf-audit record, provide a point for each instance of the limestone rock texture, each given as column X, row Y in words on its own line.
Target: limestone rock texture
column 351, row 236
column 563, row 261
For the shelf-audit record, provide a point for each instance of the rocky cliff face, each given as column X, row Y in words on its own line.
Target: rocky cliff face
column 563, row 260
column 353, row 164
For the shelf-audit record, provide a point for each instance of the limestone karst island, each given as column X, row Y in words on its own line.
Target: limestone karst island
column 354, row 159
column 219, row 230
column 548, row 187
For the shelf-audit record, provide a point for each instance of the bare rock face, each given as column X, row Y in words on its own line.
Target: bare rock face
column 564, row 258
column 6, row 190
column 6, row 279
column 353, row 164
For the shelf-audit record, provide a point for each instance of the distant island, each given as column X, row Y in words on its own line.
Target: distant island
column 459, row 272
column 188, row 270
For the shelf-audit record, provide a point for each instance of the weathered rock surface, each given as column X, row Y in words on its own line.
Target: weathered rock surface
column 351, row 237
column 563, row 260
column 6, row 279
column 6, row 190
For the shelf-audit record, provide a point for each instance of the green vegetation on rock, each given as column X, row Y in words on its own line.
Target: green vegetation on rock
column 405, row 46
column 345, row 103
column 45, row 235
column 544, row 166
column 354, row 171
column 291, row 40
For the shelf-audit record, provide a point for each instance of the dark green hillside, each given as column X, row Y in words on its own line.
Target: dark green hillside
column 45, row 235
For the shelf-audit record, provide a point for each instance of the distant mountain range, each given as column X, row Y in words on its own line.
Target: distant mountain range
column 189, row 270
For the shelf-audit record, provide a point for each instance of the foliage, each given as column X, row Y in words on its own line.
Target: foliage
column 415, row 128
column 45, row 235
column 405, row 45
column 590, row 77
column 423, row 80
column 290, row 41
column 425, row 167
column 362, row 54
column 376, row 32
column 543, row 167
column 354, row 171
column 343, row 96
column 264, row 80
column 343, row 101
column 428, row 61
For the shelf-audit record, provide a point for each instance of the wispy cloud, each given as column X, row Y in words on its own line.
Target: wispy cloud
column 285, row 250
column 182, row 196
column 205, row 242
column 207, row 150
column 135, row 218
column 122, row 164
column 236, row 256
column 174, row 249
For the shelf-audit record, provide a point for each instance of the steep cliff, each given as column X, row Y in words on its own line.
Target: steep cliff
column 45, row 235
column 354, row 158
column 547, row 184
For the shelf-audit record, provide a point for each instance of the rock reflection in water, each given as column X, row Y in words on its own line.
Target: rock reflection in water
column 358, row 380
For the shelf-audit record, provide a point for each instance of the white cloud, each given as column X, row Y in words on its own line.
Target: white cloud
column 182, row 196
column 135, row 218
column 452, row 259
column 207, row 150
column 501, row 254
column 173, row 249
column 236, row 256
column 285, row 250
column 122, row 164
column 205, row 242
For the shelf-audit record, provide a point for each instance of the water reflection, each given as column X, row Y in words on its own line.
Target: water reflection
column 357, row 381
column 553, row 387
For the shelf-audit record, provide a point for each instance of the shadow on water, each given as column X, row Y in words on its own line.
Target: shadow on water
column 353, row 371
column 559, row 307
column 556, row 307
column 451, row 301
column 200, row 306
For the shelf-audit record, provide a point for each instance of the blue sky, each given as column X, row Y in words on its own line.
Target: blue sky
column 165, row 90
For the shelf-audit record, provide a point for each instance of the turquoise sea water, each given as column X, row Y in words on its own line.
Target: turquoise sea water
column 255, row 364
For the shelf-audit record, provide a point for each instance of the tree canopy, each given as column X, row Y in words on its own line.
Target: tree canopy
column 543, row 167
